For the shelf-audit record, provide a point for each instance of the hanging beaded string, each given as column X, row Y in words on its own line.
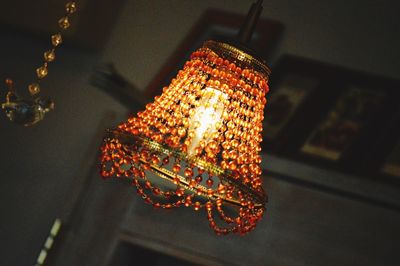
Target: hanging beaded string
column 50, row 55
column 32, row 110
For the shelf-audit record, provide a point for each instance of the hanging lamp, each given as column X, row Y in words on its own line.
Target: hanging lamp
column 198, row 144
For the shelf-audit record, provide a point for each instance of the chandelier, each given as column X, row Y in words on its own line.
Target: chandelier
column 29, row 111
column 198, row 144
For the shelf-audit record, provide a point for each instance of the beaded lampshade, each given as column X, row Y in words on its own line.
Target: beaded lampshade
column 197, row 145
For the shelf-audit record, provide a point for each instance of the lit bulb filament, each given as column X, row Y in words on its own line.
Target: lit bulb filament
column 205, row 120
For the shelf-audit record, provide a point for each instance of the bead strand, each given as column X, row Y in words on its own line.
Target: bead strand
column 50, row 55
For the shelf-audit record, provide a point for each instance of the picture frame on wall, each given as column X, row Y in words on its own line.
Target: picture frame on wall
column 352, row 111
column 361, row 112
column 217, row 25
column 291, row 103
column 328, row 116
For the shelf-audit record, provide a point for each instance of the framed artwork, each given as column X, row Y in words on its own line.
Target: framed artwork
column 294, row 96
column 331, row 117
column 217, row 25
column 336, row 132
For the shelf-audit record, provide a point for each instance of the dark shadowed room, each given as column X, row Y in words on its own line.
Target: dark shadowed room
column 200, row 132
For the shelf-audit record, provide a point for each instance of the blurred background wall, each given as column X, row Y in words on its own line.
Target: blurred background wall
column 39, row 164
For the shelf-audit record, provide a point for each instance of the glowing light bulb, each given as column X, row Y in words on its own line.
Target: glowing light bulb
column 205, row 120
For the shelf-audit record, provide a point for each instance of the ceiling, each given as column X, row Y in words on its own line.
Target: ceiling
column 91, row 25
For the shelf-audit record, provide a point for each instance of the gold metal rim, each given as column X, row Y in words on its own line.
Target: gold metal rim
column 228, row 51
column 166, row 174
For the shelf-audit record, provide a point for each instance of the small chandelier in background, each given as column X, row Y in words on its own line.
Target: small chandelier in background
column 198, row 144
column 29, row 111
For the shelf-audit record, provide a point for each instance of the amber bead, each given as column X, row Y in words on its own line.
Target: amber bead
column 180, row 192
column 213, row 145
column 232, row 165
column 34, row 89
column 155, row 159
column 64, row 23
column 225, row 155
column 221, row 189
column 188, row 201
column 199, row 191
column 49, row 56
column 219, row 202
column 192, row 183
column 233, row 154
column 42, row 72
column 198, row 150
column 197, row 206
column 181, row 132
column 234, row 143
column 165, row 161
column 176, row 180
column 198, row 179
column 70, row 7
column 56, row 39
column 244, row 170
column 146, row 166
column 176, row 168
column 226, row 145
column 188, row 172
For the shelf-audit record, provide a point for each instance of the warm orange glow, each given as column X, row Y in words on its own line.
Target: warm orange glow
column 207, row 118
column 197, row 145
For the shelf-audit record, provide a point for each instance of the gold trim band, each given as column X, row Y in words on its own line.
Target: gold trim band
column 234, row 54
column 124, row 138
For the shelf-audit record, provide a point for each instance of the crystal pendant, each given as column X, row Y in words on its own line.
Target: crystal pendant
column 56, row 39
column 42, row 72
column 34, row 89
column 26, row 112
column 70, row 7
column 64, row 23
column 49, row 56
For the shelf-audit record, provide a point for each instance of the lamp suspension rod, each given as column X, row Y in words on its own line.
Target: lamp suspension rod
column 247, row 29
